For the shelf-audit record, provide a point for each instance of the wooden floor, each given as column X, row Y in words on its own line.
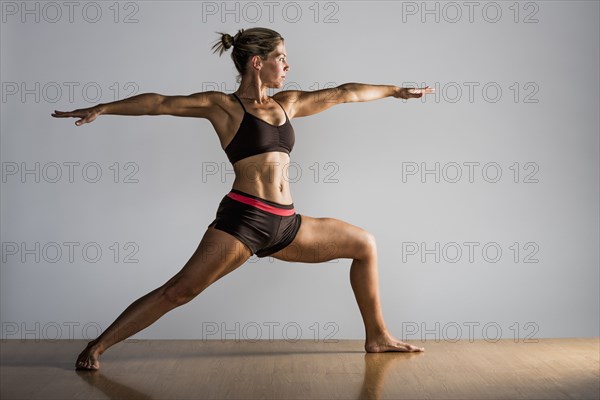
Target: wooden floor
column 186, row 369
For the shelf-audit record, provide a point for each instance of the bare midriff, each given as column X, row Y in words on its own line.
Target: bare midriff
column 265, row 175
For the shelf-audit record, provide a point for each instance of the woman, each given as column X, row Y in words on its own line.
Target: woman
column 257, row 216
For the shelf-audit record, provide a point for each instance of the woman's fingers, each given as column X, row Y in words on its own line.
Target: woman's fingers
column 419, row 92
column 66, row 114
column 59, row 114
column 85, row 116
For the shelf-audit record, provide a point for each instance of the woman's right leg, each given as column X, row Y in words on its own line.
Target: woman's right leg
column 217, row 254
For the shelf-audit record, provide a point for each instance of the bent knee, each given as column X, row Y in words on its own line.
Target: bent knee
column 368, row 245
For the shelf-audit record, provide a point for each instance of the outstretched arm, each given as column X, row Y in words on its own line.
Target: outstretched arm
column 364, row 92
column 198, row 105
column 309, row 103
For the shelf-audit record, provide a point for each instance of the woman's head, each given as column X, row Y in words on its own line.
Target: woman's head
column 248, row 43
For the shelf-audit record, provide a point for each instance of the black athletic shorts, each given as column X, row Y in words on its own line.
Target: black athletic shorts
column 264, row 226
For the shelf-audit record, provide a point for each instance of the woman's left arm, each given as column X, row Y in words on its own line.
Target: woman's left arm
column 355, row 92
column 302, row 103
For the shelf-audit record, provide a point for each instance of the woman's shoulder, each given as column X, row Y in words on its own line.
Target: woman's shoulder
column 288, row 100
column 216, row 99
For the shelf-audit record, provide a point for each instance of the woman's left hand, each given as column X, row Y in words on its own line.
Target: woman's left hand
column 413, row 93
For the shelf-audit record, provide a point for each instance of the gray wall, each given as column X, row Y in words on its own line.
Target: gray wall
column 517, row 94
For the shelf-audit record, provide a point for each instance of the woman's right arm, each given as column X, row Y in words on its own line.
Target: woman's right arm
column 199, row 105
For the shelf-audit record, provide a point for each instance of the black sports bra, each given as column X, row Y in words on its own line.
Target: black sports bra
column 256, row 136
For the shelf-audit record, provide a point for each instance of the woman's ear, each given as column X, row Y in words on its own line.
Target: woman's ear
column 256, row 62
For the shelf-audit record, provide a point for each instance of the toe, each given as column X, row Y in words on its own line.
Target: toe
column 86, row 365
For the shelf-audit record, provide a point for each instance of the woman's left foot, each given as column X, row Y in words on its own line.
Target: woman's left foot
column 389, row 343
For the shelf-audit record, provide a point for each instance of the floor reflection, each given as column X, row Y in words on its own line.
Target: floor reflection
column 377, row 368
column 110, row 387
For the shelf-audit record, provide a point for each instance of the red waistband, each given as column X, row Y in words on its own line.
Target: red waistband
column 260, row 205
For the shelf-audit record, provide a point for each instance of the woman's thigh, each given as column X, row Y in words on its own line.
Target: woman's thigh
column 218, row 254
column 324, row 239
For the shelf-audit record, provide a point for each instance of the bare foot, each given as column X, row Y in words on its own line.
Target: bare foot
column 88, row 358
column 389, row 343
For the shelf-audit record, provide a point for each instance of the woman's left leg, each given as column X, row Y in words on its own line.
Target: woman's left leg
column 324, row 239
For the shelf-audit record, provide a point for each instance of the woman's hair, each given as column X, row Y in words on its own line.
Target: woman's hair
column 247, row 43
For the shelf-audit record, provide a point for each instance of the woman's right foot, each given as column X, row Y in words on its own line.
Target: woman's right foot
column 88, row 358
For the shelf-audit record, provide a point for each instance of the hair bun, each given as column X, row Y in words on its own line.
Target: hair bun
column 225, row 42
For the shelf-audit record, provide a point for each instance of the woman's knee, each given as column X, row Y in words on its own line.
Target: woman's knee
column 180, row 292
column 368, row 245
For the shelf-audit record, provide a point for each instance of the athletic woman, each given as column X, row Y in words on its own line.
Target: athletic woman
column 257, row 216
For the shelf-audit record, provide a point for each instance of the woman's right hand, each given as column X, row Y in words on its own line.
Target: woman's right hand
column 86, row 114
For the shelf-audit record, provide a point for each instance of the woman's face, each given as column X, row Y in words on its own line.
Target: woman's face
column 275, row 67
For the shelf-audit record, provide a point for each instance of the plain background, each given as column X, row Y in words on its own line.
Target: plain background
column 517, row 93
